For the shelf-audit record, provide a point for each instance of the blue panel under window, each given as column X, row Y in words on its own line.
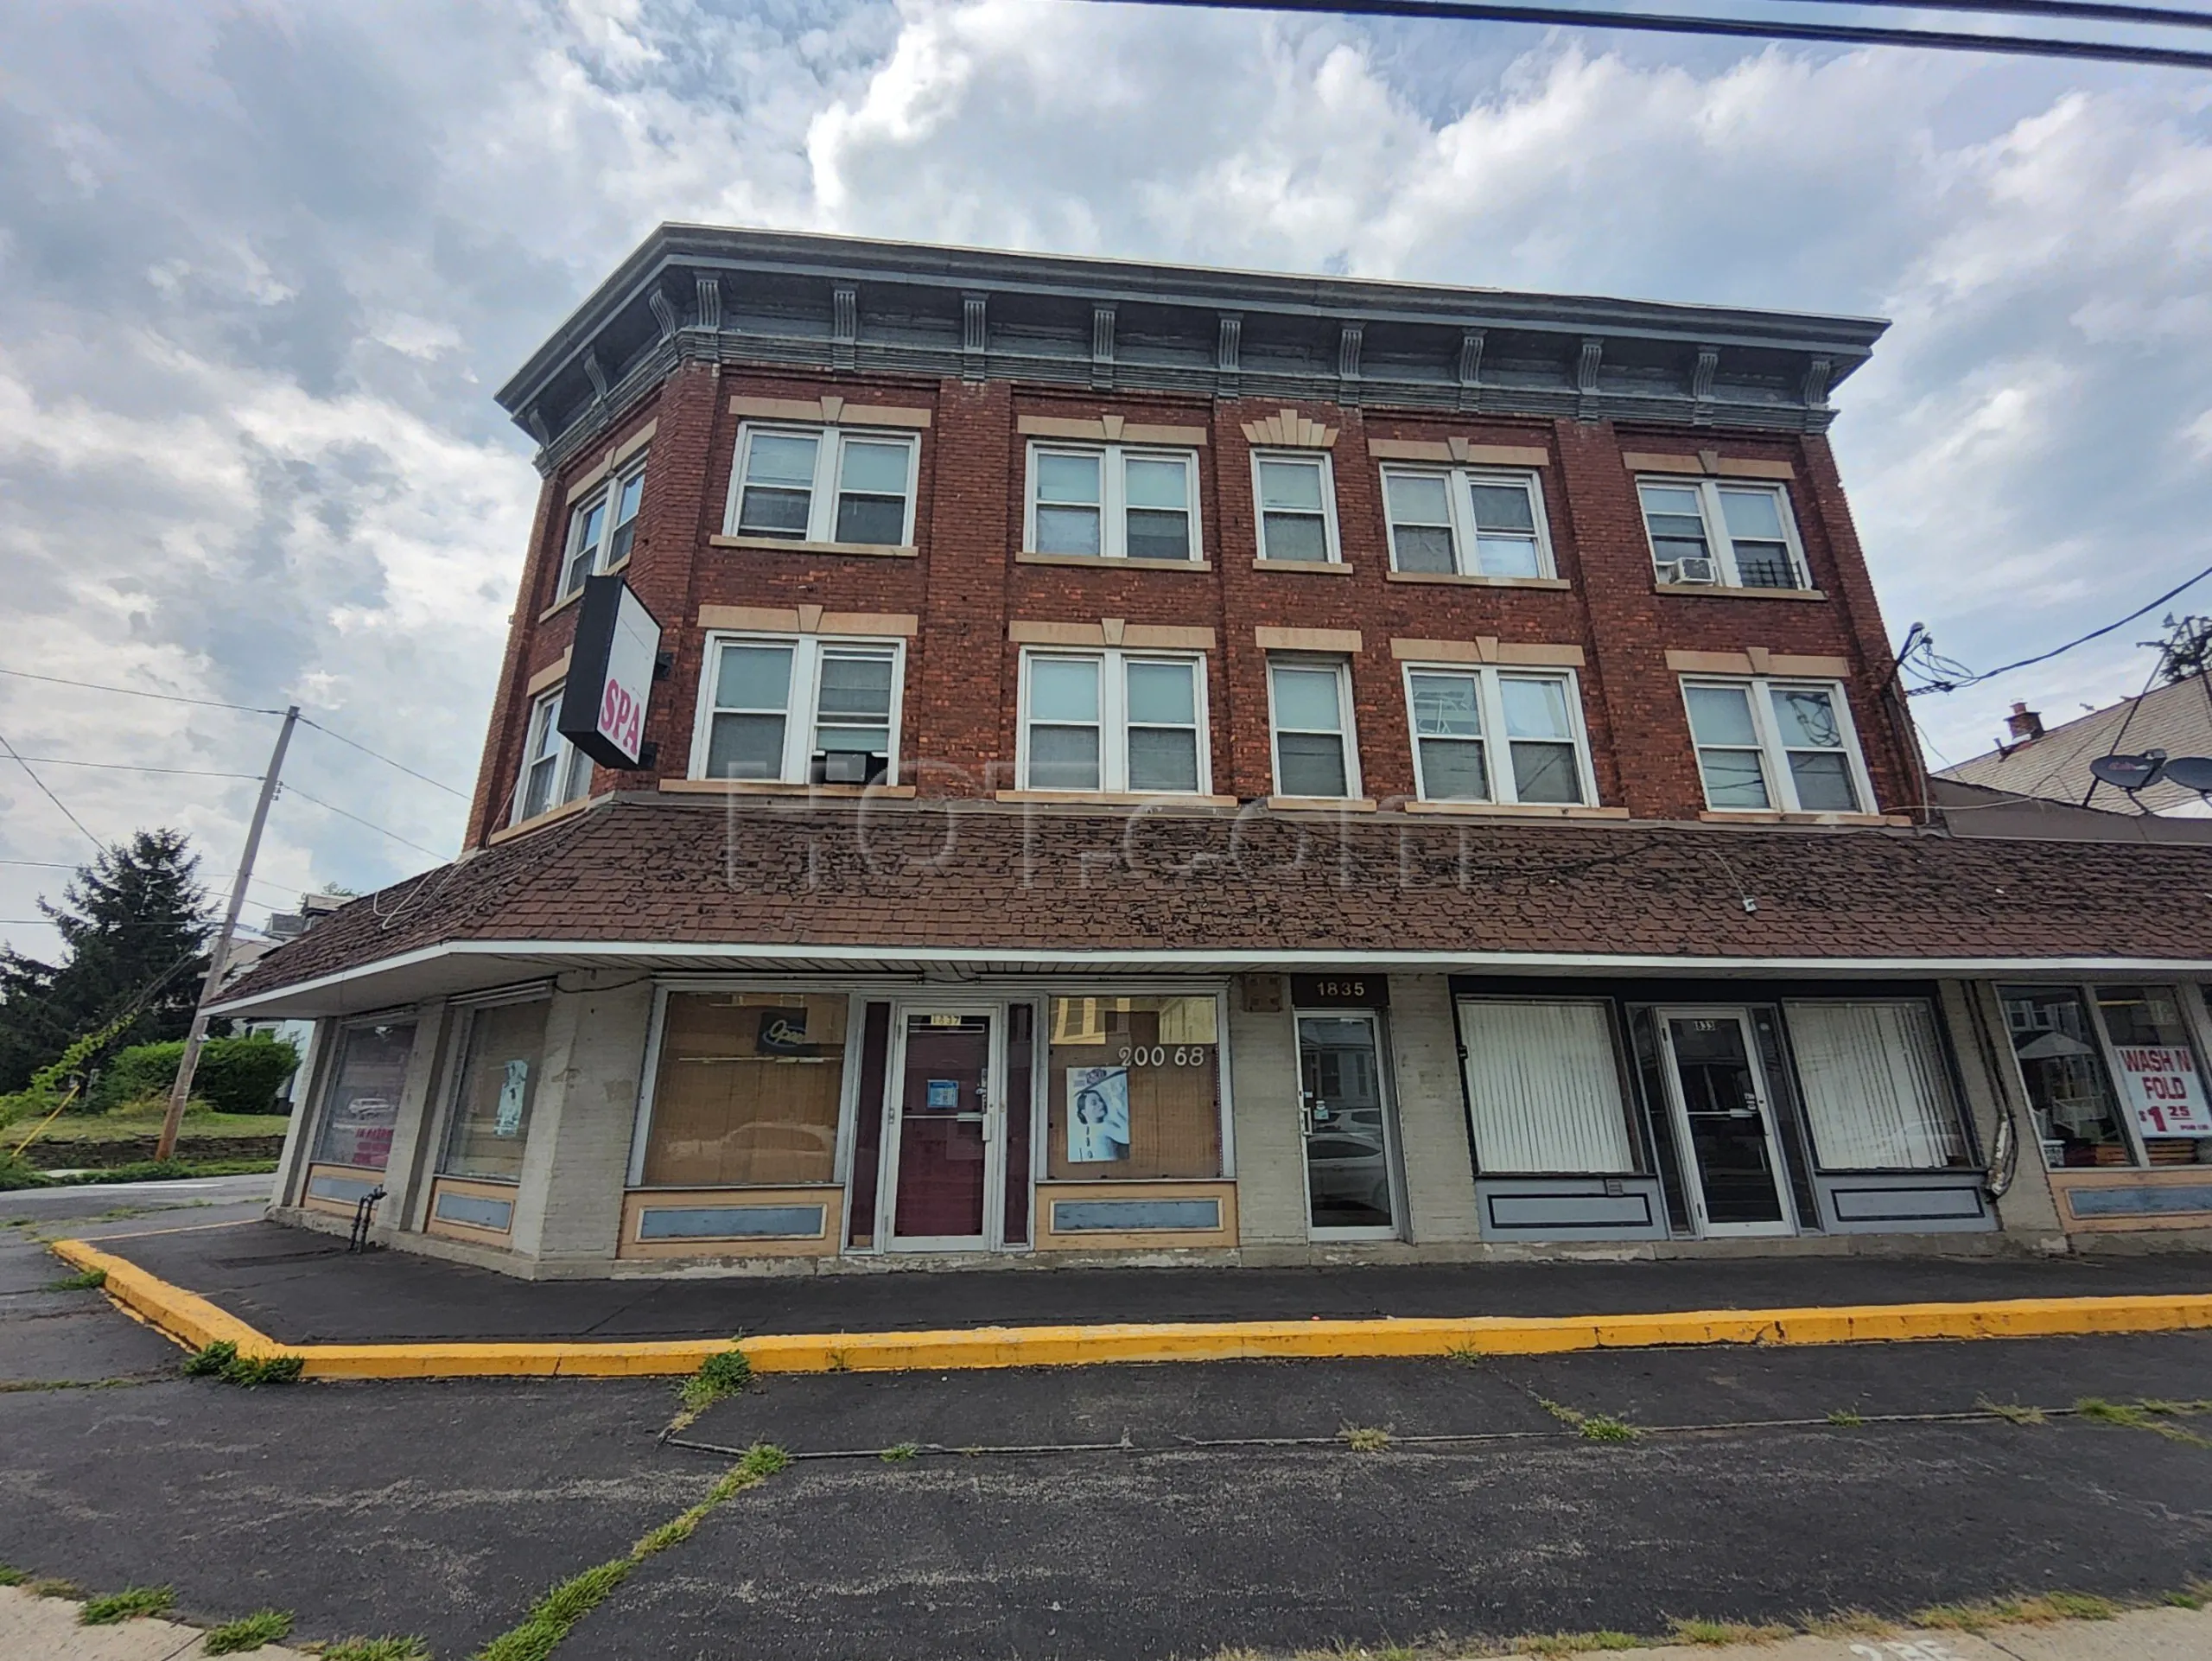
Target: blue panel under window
column 475, row 1210
column 344, row 1189
column 1086, row 1216
column 730, row 1223
column 2139, row 1202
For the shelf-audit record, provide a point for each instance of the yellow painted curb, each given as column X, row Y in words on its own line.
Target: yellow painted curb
column 193, row 1321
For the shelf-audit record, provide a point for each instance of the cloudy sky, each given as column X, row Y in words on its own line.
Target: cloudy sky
column 262, row 265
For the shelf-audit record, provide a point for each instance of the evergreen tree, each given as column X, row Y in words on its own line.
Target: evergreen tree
column 135, row 914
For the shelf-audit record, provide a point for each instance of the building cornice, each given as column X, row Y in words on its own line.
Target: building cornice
column 789, row 300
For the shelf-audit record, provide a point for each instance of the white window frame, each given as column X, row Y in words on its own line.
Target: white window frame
column 1113, row 529
column 829, row 468
column 1497, row 743
column 1718, row 542
column 571, row 767
column 1321, row 459
column 804, row 692
column 1459, row 502
column 1112, row 717
column 1346, row 714
column 578, row 563
column 1773, row 757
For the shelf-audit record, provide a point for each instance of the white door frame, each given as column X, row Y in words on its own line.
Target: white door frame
column 1395, row 1230
column 1678, row 1107
column 892, row 1107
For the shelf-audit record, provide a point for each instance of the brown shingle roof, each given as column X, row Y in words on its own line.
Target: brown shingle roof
column 2175, row 718
column 917, row 877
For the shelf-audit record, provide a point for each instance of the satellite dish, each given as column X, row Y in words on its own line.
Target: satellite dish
column 2190, row 773
column 2129, row 773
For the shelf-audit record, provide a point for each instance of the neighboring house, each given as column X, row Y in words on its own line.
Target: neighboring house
column 2055, row 763
column 1246, row 769
column 244, row 954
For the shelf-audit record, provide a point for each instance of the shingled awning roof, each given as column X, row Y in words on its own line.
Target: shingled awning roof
column 648, row 882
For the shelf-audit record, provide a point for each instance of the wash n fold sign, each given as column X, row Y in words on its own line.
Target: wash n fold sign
column 2165, row 1089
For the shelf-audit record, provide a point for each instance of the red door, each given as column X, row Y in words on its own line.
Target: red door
column 944, row 1131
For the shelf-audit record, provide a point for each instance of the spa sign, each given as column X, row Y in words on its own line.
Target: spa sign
column 2163, row 1086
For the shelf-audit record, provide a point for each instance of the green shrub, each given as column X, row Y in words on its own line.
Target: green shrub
column 221, row 1360
column 14, row 1174
column 248, row 1632
column 235, row 1075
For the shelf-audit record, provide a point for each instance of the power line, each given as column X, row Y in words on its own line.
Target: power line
column 140, row 692
column 132, row 766
column 294, row 790
column 1955, row 685
column 2098, row 10
column 1670, row 23
column 51, row 796
column 386, row 760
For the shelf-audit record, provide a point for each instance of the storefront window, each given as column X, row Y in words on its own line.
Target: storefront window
column 1875, row 1089
column 2076, row 1117
column 1134, row 1089
column 1543, row 1088
column 497, row 1088
column 748, row 1091
column 363, row 1105
column 2160, row 1075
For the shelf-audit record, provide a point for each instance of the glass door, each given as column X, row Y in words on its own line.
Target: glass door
column 1724, row 1117
column 943, row 1147
column 1344, row 1113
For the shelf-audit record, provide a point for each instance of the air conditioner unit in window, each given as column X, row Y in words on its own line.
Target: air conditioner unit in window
column 1700, row 571
column 849, row 767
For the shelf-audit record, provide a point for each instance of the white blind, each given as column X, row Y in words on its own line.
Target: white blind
column 1543, row 1089
column 1875, row 1089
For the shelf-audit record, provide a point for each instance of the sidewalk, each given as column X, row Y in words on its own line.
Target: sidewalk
column 46, row 1629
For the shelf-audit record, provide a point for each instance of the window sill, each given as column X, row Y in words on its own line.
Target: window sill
column 779, row 545
column 777, row 787
column 1762, row 816
column 1518, row 809
column 560, row 605
column 1452, row 579
column 1323, row 804
column 550, row 816
column 1111, row 561
column 1111, row 799
column 1333, row 567
column 1721, row 591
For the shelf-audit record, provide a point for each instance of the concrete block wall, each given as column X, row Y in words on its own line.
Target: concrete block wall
column 569, row 1205
column 1270, row 1147
column 1431, row 1113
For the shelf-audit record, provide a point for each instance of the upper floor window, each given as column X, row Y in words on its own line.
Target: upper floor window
column 1121, row 722
column 1739, row 536
column 1782, row 745
column 824, row 484
column 1484, row 734
column 554, row 771
column 602, row 526
column 1466, row 522
column 799, row 711
column 1111, row 502
column 1297, row 505
column 1309, row 703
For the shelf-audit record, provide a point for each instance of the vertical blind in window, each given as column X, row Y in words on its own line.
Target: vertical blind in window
column 1876, row 1094
column 1543, row 1089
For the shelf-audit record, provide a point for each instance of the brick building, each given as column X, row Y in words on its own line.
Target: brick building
column 1176, row 762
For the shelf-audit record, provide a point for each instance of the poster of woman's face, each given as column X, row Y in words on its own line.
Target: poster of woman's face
column 1098, row 1115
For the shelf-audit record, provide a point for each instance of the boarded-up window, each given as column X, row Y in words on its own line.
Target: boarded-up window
column 1543, row 1089
column 1134, row 1089
column 1876, row 1093
column 498, row 1088
column 748, row 1091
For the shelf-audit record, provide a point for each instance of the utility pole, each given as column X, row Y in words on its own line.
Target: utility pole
column 174, row 1120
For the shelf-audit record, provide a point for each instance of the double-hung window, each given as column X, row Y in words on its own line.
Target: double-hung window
column 1123, row 722
column 1297, row 501
column 799, row 710
column 1310, row 711
column 1709, row 531
column 554, row 771
column 1466, row 522
column 1778, row 745
column 1484, row 735
column 602, row 526
column 824, row 485
column 1112, row 501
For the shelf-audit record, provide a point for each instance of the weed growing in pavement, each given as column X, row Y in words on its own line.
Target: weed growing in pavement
column 90, row 1280
column 1691, row 1631
column 48, row 1586
column 2013, row 1412
column 2146, row 1415
column 1848, row 1623
column 127, row 1605
column 839, row 1362
column 1366, row 1438
column 1464, row 1355
column 11, row 1576
column 1559, row 1644
column 221, row 1360
column 248, row 1632
column 1844, row 1419
column 1604, row 1426
column 377, row 1649
column 555, row 1615
column 2040, row 1609
column 1560, row 1411
column 724, row 1373
column 899, row 1452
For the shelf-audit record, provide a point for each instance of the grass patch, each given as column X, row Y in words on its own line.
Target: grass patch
column 377, row 1649
column 899, row 1452
column 724, row 1374
column 1848, row 1623
column 1844, row 1419
column 131, row 1604
column 2039, row 1609
column 555, row 1615
column 166, row 1170
column 90, row 1280
column 199, row 1122
column 50, row 1586
column 221, row 1360
column 2012, row 1412
column 11, row 1576
column 2145, row 1416
column 1556, row 1644
column 1693, row 1631
column 1604, row 1426
column 1366, row 1438
column 1464, row 1355
column 249, row 1633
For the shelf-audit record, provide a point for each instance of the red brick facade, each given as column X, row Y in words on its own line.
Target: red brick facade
column 967, row 586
